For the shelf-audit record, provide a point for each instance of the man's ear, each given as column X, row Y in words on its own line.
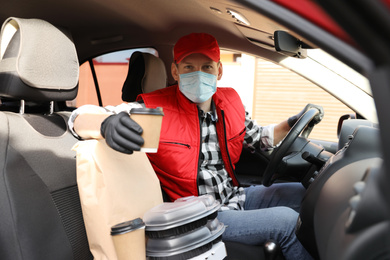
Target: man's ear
column 174, row 71
column 220, row 70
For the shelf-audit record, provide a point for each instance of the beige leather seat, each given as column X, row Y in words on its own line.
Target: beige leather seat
column 146, row 74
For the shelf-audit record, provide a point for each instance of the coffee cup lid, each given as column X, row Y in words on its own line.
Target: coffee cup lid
column 127, row 226
column 147, row 111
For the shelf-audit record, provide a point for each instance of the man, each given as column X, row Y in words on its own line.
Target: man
column 203, row 131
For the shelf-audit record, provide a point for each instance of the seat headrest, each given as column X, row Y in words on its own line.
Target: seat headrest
column 38, row 62
column 146, row 74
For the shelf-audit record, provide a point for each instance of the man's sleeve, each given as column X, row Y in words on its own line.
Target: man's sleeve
column 257, row 136
column 99, row 110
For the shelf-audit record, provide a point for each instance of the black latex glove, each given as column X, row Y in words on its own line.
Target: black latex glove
column 122, row 133
column 292, row 120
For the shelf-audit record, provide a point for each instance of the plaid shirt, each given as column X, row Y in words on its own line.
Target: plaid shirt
column 213, row 177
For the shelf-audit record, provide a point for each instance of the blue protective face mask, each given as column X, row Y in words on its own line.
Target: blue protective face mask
column 198, row 86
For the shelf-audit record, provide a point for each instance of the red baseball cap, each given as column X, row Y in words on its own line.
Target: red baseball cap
column 202, row 43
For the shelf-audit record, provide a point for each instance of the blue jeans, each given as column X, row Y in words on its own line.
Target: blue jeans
column 270, row 213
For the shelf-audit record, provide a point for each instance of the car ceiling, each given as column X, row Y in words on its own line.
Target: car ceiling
column 137, row 23
column 100, row 26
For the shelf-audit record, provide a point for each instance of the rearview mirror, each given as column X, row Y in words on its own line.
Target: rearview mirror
column 289, row 45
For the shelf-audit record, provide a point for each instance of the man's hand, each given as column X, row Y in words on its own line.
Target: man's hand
column 122, row 133
column 292, row 120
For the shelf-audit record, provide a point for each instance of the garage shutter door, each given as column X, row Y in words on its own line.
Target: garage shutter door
column 280, row 93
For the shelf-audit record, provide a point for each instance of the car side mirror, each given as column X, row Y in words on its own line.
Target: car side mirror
column 290, row 46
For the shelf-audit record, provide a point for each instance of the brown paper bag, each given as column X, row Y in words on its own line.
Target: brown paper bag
column 114, row 188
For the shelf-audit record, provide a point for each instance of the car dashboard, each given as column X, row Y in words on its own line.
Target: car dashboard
column 338, row 207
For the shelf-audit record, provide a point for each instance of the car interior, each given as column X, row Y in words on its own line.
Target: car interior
column 345, row 211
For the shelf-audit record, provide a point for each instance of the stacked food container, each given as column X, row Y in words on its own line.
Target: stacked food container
column 187, row 228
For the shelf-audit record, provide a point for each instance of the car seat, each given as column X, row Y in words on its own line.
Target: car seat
column 40, row 211
column 146, row 73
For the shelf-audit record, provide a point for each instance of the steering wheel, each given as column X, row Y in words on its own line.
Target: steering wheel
column 304, row 125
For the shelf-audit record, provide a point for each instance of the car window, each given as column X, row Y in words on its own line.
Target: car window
column 272, row 93
column 111, row 71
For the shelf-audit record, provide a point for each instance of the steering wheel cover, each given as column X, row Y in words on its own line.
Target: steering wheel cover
column 304, row 126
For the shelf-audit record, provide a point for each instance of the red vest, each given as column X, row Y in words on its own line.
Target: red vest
column 177, row 160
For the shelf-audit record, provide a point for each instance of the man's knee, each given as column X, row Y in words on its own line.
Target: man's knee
column 285, row 217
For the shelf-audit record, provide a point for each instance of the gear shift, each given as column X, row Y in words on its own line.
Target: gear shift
column 272, row 251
